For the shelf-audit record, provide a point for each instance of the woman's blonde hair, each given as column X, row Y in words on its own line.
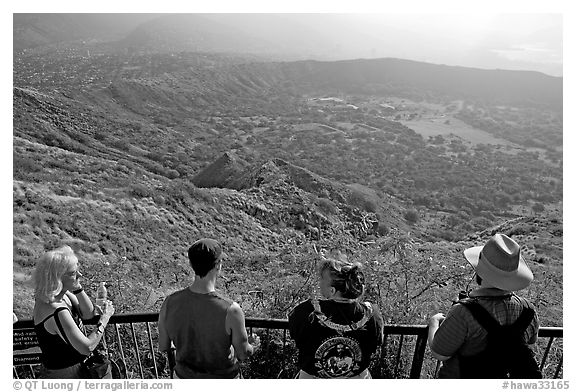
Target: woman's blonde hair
column 50, row 268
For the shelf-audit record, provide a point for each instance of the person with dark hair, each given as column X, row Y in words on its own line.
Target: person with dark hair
column 206, row 329
column 461, row 338
column 336, row 337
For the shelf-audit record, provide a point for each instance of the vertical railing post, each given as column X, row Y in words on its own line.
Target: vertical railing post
column 117, row 328
column 398, row 355
column 545, row 356
column 268, row 368
column 152, row 349
column 419, row 351
column 437, row 369
column 137, row 350
column 559, row 366
column 283, row 364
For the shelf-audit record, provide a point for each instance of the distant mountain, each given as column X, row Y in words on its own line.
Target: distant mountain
column 275, row 36
column 35, row 30
column 390, row 75
column 191, row 32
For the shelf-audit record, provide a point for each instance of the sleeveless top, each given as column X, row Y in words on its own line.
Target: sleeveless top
column 56, row 352
column 335, row 340
column 196, row 324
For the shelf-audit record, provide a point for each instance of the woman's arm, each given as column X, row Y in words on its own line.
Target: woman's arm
column 83, row 303
column 74, row 336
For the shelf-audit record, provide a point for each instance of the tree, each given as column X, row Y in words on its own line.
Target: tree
column 411, row 216
column 538, row 208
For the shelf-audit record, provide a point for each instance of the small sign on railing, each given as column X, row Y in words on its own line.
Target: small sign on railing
column 26, row 350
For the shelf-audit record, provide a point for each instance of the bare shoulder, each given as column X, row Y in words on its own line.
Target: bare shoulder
column 235, row 310
column 45, row 309
column 41, row 311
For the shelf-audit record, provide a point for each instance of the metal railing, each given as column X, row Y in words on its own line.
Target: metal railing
column 131, row 341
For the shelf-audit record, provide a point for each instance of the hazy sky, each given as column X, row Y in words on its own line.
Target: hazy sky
column 507, row 34
column 517, row 41
column 511, row 41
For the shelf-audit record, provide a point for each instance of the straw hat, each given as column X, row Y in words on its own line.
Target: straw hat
column 499, row 263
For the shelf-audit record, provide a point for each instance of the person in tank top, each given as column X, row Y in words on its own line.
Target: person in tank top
column 206, row 329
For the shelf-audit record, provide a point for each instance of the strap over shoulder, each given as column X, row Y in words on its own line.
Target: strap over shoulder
column 59, row 323
column 489, row 323
column 480, row 314
column 524, row 319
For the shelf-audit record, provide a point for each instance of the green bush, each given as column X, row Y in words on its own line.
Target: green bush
column 411, row 216
column 326, row 206
column 382, row 229
column 139, row 190
column 363, row 200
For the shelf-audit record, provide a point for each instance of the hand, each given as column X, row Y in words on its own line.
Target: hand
column 436, row 320
column 254, row 340
column 106, row 310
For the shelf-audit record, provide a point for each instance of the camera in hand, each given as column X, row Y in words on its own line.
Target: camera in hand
column 462, row 294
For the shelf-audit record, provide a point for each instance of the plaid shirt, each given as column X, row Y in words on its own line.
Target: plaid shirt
column 461, row 334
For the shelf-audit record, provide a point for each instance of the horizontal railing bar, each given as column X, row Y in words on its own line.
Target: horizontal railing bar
column 267, row 323
column 392, row 329
column 397, row 329
column 551, row 332
column 417, row 331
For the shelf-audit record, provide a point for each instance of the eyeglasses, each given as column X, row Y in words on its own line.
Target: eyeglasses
column 73, row 274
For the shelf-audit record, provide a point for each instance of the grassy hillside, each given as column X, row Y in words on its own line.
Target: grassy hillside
column 129, row 158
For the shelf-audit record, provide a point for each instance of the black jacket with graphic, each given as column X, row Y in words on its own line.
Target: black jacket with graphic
column 337, row 341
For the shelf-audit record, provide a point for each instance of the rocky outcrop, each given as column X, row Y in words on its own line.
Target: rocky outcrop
column 221, row 173
column 227, row 172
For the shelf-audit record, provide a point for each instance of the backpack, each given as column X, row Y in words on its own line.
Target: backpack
column 506, row 354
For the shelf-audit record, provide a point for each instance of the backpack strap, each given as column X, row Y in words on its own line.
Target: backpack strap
column 524, row 320
column 481, row 315
column 488, row 322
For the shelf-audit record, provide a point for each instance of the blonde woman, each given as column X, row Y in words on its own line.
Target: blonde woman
column 61, row 305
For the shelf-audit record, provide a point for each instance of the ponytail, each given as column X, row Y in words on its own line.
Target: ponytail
column 347, row 278
column 354, row 281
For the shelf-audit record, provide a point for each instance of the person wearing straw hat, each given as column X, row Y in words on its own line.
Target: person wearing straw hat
column 499, row 271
